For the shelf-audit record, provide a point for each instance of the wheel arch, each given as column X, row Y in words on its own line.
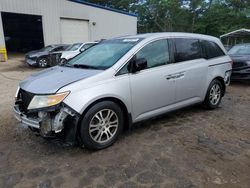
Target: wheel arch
column 119, row 102
column 219, row 78
column 43, row 57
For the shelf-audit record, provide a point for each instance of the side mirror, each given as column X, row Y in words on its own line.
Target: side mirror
column 82, row 49
column 139, row 64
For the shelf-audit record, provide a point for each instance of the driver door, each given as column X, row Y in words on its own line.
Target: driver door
column 151, row 90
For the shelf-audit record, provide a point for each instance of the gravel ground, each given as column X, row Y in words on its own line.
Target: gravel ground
column 188, row 148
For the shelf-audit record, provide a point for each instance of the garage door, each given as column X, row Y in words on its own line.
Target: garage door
column 73, row 31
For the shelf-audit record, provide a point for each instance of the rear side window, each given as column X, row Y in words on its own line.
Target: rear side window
column 211, row 49
column 187, row 49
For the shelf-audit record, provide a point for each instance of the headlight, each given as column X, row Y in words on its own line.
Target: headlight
column 41, row 101
column 17, row 92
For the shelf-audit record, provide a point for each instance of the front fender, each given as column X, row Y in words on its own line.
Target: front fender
column 118, row 88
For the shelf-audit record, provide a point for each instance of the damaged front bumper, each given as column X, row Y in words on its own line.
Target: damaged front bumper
column 241, row 73
column 61, row 119
column 35, row 123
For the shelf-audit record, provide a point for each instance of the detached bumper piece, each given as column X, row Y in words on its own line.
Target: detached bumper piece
column 31, row 61
column 60, row 121
column 31, row 122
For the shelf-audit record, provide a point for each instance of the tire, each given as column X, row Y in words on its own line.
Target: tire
column 96, row 130
column 63, row 61
column 42, row 62
column 214, row 95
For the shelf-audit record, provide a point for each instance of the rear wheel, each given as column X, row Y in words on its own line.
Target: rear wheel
column 101, row 125
column 214, row 95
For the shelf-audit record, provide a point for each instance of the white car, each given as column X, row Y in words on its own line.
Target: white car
column 74, row 50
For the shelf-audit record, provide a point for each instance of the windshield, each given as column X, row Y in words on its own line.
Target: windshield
column 240, row 50
column 103, row 55
column 87, row 46
column 47, row 48
column 74, row 47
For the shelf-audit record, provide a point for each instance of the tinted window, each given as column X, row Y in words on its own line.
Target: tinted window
column 187, row 49
column 47, row 48
column 58, row 49
column 156, row 53
column 65, row 47
column 211, row 49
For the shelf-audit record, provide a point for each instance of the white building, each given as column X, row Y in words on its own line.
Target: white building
column 32, row 24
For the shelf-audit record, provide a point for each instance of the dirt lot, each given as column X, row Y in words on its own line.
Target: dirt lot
column 188, row 148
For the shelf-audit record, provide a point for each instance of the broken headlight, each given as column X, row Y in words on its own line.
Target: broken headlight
column 42, row 101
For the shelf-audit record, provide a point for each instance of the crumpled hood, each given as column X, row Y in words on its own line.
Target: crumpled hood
column 51, row 80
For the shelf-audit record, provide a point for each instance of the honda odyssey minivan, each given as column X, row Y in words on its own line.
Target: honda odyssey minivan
column 120, row 81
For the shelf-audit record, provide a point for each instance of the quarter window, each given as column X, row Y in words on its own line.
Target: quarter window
column 187, row 49
column 156, row 53
column 212, row 50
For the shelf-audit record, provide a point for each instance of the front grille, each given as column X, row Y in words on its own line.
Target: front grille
column 23, row 99
column 239, row 64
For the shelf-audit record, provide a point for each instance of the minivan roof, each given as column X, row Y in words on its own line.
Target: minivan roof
column 171, row 34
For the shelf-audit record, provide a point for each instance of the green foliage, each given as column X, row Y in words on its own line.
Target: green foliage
column 213, row 17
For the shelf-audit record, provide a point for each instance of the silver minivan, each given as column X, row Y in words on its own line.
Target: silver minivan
column 118, row 82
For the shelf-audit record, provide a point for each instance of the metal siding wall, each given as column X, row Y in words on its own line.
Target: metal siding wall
column 108, row 24
column 2, row 42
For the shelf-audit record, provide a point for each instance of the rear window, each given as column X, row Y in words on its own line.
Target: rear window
column 187, row 49
column 211, row 49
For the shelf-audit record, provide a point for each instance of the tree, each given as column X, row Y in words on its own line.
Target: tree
column 213, row 17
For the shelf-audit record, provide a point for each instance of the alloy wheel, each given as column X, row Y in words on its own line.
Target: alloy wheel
column 103, row 126
column 215, row 94
column 43, row 62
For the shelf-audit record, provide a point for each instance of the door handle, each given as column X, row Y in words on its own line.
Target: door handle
column 176, row 75
column 168, row 77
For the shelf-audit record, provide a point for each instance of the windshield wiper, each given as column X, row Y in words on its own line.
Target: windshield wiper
column 82, row 66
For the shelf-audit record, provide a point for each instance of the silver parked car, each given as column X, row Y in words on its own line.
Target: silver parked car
column 118, row 82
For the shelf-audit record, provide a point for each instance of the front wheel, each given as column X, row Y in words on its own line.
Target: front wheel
column 214, row 95
column 63, row 61
column 101, row 125
column 42, row 62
